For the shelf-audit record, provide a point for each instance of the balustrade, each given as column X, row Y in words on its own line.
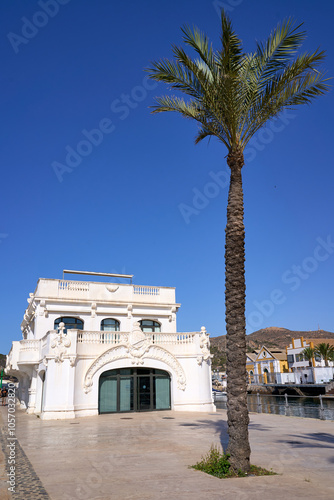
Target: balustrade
column 86, row 337
column 73, row 286
column 29, row 345
column 146, row 290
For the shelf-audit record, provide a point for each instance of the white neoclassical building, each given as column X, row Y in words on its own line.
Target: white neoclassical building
column 95, row 347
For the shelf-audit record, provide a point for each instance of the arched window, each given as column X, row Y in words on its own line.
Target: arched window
column 109, row 325
column 148, row 325
column 70, row 323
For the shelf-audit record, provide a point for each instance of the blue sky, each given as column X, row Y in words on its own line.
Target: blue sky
column 140, row 197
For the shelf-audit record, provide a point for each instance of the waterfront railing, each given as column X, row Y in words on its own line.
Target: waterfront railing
column 320, row 407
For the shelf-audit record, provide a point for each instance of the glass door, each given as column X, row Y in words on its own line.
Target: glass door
column 143, row 392
column 126, row 393
column 108, row 395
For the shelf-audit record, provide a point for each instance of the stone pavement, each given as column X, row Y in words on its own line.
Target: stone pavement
column 145, row 456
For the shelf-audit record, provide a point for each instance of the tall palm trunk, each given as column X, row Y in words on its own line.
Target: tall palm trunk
column 237, row 412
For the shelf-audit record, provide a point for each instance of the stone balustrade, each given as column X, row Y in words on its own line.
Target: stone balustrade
column 114, row 338
column 101, row 292
column 30, row 345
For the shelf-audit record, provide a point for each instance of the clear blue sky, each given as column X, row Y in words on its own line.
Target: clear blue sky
column 143, row 199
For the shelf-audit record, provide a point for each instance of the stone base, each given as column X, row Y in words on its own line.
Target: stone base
column 86, row 413
column 57, row 415
column 204, row 407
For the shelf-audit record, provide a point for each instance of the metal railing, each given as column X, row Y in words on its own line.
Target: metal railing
column 320, row 407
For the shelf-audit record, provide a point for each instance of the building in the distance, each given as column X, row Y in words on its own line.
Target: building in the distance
column 268, row 366
column 313, row 371
column 97, row 347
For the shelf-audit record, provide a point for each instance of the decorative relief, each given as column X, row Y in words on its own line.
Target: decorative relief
column 72, row 360
column 43, row 310
column 137, row 347
column 60, row 344
column 105, row 358
column 129, row 311
column 161, row 354
column 172, row 316
column 137, row 344
column 112, row 289
column 204, row 346
column 93, row 310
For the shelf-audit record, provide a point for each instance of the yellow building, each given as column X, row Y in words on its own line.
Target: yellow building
column 265, row 366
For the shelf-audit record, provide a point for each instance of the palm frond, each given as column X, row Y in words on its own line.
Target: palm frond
column 299, row 83
column 231, row 94
column 200, row 43
column 280, row 47
column 173, row 103
column 231, row 53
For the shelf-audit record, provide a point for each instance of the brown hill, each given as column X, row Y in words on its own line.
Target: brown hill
column 272, row 337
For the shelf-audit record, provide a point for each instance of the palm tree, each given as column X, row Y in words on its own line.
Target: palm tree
column 331, row 355
column 326, row 351
column 308, row 353
column 231, row 95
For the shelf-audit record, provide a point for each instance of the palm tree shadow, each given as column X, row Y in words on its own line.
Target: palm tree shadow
column 313, row 440
column 219, row 427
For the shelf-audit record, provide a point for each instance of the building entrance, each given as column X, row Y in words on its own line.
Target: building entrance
column 134, row 389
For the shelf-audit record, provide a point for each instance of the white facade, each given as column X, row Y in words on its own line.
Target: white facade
column 317, row 373
column 60, row 371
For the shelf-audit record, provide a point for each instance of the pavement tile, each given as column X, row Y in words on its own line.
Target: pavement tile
column 147, row 457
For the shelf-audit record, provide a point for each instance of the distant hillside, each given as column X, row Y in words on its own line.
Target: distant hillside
column 272, row 337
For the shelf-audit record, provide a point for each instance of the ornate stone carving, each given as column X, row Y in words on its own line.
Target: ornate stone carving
column 112, row 354
column 137, row 347
column 60, row 343
column 112, row 289
column 172, row 316
column 129, row 311
column 137, row 344
column 161, row 354
column 204, row 346
column 43, row 310
column 93, row 310
column 72, row 360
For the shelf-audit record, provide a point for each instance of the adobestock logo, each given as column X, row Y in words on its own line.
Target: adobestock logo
column 294, row 277
column 73, row 158
column 40, row 19
column 94, row 137
column 201, row 198
column 266, row 135
column 227, row 5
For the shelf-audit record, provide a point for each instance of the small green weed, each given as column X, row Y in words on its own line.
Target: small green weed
column 216, row 463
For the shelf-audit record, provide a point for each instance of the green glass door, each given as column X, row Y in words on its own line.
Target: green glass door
column 108, row 395
column 134, row 389
column 144, row 393
column 126, row 393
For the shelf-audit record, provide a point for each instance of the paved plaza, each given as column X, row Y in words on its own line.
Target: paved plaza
column 145, row 456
